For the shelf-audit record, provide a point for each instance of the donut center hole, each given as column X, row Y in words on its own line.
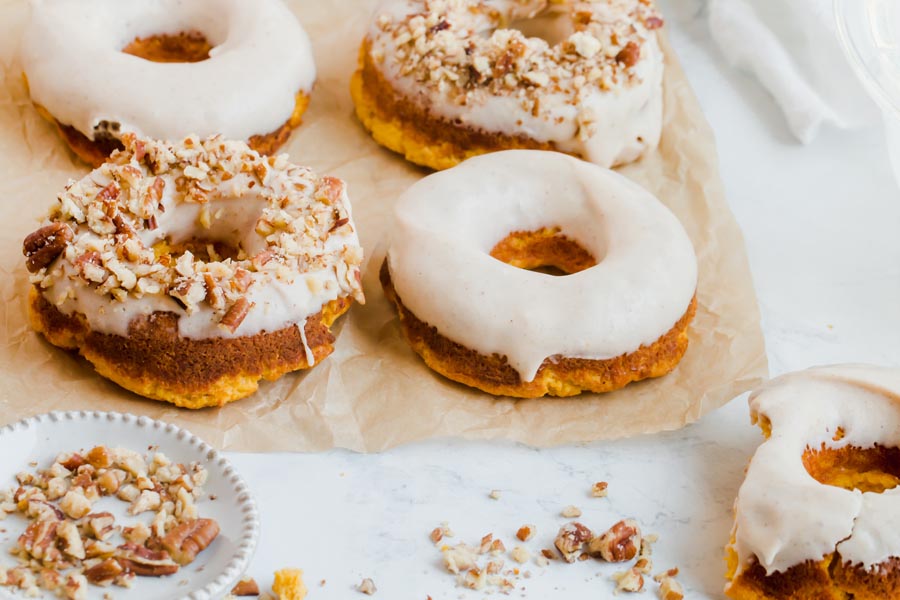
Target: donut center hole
column 545, row 251
column 184, row 47
column 205, row 250
column 552, row 25
column 874, row 469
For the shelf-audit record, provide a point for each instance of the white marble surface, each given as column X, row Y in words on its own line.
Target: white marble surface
column 822, row 225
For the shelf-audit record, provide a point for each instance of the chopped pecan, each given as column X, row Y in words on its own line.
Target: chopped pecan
column 629, row 55
column 246, row 587
column 43, row 511
column 653, row 23
column 105, row 572
column 98, row 549
column 338, row 224
column 108, row 482
column 69, row 540
column 39, row 541
column 145, row 562
column 437, row 534
column 236, row 314
column 629, row 581
column 620, row 543
column 525, row 532
column 73, row 461
column 367, row 586
column 122, row 225
column 101, row 525
column 43, row 246
column 242, row 279
column 109, row 194
column 190, row 538
column 571, row 539
column 76, row 587
column 155, row 191
column 600, row 489
column 330, row 189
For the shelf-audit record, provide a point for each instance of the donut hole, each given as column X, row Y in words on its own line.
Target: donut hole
column 184, row 47
column 204, row 249
column 874, row 469
column 553, row 25
column 545, row 251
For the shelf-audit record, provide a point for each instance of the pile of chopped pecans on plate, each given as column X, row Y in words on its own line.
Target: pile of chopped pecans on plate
column 66, row 546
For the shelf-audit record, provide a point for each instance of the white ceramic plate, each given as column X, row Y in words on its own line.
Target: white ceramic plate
column 40, row 439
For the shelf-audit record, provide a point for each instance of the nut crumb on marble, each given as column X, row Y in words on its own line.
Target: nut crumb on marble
column 619, row 543
column 629, row 581
column 600, row 489
column 494, row 495
column 571, row 512
column 669, row 587
column 520, row 554
column 571, row 540
column 525, row 532
column 367, row 586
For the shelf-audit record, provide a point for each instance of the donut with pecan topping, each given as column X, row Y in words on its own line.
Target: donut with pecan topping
column 98, row 69
column 188, row 272
column 440, row 81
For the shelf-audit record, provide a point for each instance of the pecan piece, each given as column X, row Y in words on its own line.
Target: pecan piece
column 620, row 543
column 101, row 525
column 145, row 562
column 330, row 189
column 100, row 457
column 236, row 314
column 43, row 246
column 105, row 572
column 39, row 540
column 74, row 460
column 571, row 539
column 525, row 532
column 246, row 587
column 189, row 539
column 338, row 224
column 629, row 55
column 654, row 23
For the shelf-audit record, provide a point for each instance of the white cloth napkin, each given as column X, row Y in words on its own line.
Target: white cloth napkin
column 792, row 49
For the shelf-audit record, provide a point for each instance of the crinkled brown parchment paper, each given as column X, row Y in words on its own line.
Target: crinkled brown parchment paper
column 374, row 392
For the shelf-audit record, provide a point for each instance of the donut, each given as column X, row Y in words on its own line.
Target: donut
column 464, row 271
column 166, row 69
column 188, row 272
column 817, row 514
column 440, row 81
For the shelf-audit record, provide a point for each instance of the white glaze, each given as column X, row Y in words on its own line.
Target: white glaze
column 607, row 127
column 785, row 517
column 72, row 57
column 447, row 224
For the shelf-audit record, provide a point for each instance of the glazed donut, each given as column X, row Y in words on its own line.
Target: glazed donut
column 187, row 272
column 460, row 270
column 443, row 80
column 817, row 514
column 167, row 69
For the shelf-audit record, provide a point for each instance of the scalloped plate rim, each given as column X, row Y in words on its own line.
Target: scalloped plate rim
column 242, row 497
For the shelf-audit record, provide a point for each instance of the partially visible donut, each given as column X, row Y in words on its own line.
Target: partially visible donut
column 460, row 270
column 188, row 272
column 442, row 80
column 167, row 69
column 817, row 514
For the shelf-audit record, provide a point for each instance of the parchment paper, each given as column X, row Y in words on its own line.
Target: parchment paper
column 374, row 392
